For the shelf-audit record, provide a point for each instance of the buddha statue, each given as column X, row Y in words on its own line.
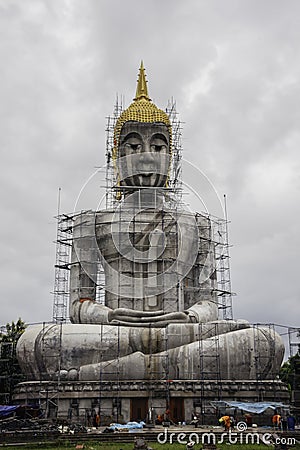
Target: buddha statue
column 161, row 309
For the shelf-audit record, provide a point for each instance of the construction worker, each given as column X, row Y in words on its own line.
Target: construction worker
column 276, row 421
column 225, row 420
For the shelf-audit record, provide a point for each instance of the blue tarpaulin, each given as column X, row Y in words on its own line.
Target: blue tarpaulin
column 128, row 426
column 5, row 410
column 251, row 407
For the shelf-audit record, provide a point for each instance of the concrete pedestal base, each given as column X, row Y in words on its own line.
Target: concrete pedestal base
column 132, row 400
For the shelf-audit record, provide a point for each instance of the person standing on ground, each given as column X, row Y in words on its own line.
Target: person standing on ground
column 291, row 422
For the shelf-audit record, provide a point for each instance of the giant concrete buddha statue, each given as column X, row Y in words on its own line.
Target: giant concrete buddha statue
column 160, row 280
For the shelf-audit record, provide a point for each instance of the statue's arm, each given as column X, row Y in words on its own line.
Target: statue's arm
column 83, row 273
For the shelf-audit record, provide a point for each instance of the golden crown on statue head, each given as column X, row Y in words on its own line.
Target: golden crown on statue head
column 141, row 110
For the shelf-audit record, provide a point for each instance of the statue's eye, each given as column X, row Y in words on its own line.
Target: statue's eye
column 158, row 148
column 134, row 147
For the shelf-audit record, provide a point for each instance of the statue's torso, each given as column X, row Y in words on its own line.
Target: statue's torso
column 153, row 259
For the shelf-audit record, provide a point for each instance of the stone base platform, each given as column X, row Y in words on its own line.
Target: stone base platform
column 132, row 400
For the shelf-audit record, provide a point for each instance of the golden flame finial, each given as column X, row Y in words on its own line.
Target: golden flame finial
column 141, row 89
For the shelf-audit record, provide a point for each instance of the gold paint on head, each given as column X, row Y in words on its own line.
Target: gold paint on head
column 141, row 110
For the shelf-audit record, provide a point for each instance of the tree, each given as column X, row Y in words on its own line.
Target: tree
column 10, row 371
column 290, row 372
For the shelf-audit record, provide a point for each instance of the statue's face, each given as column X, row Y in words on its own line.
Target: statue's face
column 144, row 156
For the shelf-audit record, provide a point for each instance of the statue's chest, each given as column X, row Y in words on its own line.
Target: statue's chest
column 141, row 238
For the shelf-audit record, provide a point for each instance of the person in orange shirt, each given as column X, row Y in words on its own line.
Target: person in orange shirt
column 226, row 422
column 276, row 420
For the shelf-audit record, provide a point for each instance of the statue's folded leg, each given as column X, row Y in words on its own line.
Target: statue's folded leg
column 236, row 355
column 230, row 356
column 227, row 348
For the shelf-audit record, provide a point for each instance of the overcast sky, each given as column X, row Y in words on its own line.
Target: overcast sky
column 233, row 67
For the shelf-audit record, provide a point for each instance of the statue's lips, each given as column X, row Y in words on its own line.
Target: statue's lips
column 148, row 169
column 145, row 174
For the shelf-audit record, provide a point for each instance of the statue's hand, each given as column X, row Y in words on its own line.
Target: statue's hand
column 92, row 312
column 125, row 316
column 203, row 311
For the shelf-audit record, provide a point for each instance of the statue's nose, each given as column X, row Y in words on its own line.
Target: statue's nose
column 146, row 154
column 146, row 162
column 146, row 147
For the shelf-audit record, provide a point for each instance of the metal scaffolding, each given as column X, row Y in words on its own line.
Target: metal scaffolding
column 62, row 267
